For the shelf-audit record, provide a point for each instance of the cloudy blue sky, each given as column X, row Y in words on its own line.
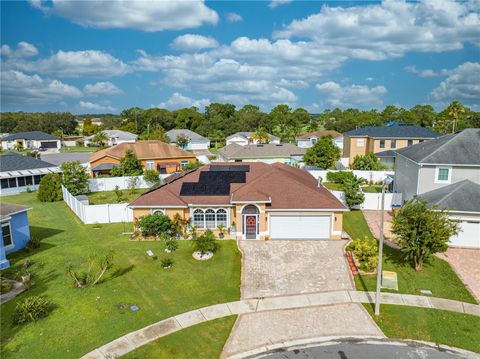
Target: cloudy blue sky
column 104, row 56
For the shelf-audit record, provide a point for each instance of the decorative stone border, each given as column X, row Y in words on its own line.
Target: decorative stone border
column 199, row 257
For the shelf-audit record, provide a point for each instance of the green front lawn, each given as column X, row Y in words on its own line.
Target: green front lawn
column 84, row 319
column 437, row 275
column 106, row 197
column 202, row 341
column 432, row 325
column 80, row 149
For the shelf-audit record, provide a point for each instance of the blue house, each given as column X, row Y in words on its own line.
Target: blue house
column 14, row 230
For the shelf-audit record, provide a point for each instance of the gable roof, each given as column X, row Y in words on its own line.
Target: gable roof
column 33, row 135
column 463, row 196
column 12, row 161
column 462, row 148
column 402, row 130
column 122, row 135
column 282, row 186
column 192, row 136
column 260, row 151
column 247, row 135
column 7, row 209
column 144, row 150
column 319, row 134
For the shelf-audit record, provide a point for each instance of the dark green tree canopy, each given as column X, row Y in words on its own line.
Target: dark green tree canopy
column 323, row 153
column 75, row 178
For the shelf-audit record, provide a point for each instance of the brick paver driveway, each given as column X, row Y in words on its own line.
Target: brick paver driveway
column 272, row 268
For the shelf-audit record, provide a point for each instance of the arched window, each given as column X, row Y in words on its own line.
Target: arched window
column 158, row 211
column 198, row 218
column 210, row 219
column 250, row 209
column 221, row 217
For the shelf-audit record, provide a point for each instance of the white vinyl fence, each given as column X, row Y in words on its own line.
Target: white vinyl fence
column 373, row 201
column 109, row 183
column 370, row 176
column 99, row 213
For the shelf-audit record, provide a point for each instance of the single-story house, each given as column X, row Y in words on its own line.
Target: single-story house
column 254, row 200
column 71, row 141
column 115, row 137
column 374, row 139
column 195, row 141
column 462, row 200
column 14, row 230
column 309, row 139
column 19, row 173
column 268, row 153
column 33, row 140
column 245, row 138
column 154, row 155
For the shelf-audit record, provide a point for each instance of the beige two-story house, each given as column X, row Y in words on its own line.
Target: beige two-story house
column 377, row 139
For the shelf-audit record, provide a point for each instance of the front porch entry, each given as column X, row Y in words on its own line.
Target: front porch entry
column 250, row 218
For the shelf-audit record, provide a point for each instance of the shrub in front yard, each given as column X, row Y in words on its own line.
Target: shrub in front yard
column 154, row 224
column 167, row 262
column 32, row 244
column 5, row 285
column 205, row 243
column 96, row 269
column 339, row 177
column 31, row 309
column 365, row 251
column 171, row 245
column 50, row 189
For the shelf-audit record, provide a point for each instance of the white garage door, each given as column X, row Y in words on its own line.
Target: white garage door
column 300, row 227
column 469, row 235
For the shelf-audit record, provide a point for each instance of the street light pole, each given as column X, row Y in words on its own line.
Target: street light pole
column 380, row 252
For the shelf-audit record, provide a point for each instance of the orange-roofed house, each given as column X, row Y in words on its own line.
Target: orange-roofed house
column 255, row 200
column 154, row 155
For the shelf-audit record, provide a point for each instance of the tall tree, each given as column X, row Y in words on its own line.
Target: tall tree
column 130, row 165
column 281, row 117
column 75, row 177
column 323, row 153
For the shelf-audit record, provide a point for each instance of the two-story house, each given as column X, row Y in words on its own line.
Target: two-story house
column 377, row 139
column 446, row 172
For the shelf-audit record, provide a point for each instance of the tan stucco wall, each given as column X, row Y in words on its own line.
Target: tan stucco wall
column 337, row 224
column 401, row 143
column 350, row 148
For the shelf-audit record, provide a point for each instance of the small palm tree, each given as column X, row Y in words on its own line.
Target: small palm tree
column 454, row 110
column 260, row 136
column 100, row 139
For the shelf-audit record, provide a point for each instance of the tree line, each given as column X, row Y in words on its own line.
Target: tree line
column 221, row 120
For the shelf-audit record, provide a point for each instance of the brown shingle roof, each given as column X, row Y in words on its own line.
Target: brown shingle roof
column 143, row 150
column 319, row 134
column 285, row 186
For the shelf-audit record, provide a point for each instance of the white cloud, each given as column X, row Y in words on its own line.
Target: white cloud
column 95, row 107
column 193, row 42
column 24, row 49
column 89, row 63
column 154, row 15
column 20, row 88
column 233, row 17
column 390, row 29
column 177, row 100
column 102, row 88
column 351, row 96
column 276, row 3
column 463, row 84
column 427, row 72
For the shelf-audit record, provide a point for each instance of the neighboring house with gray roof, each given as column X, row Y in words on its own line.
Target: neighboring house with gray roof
column 462, row 200
column 245, row 138
column 375, row 139
column 33, row 140
column 446, row 171
column 267, row 153
column 115, row 137
column 18, row 173
column 195, row 141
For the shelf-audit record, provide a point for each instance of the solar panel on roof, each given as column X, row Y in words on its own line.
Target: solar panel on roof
column 213, row 183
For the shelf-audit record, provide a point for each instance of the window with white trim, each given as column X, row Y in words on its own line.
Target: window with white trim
column 6, row 235
column 184, row 164
column 443, row 175
column 210, row 219
column 158, row 211
column 222, row 217
column 199, row 218
column 150, row 165
column 360, row 142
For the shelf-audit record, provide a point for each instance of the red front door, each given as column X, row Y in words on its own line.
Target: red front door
column 251, row 227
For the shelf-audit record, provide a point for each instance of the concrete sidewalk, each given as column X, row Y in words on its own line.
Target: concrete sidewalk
column 133, row 340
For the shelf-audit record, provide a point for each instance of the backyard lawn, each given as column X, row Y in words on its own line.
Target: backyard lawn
column 437, row 275
column 366, row 189
column 111, row 197
column 432, row 325
column 202, row 341
column 79, row 149
column 83, row 319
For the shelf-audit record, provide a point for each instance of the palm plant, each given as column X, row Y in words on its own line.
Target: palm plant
column 100, row 138
column 260, row 136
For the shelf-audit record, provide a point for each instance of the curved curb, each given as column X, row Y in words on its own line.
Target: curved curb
column 290, row 345
column 138, row 338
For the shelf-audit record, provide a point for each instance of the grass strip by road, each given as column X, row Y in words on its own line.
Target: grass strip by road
column 202, row 341
column 437, row 275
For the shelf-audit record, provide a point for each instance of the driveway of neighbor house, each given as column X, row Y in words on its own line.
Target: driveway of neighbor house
column 466, row 263
column 272, row 268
